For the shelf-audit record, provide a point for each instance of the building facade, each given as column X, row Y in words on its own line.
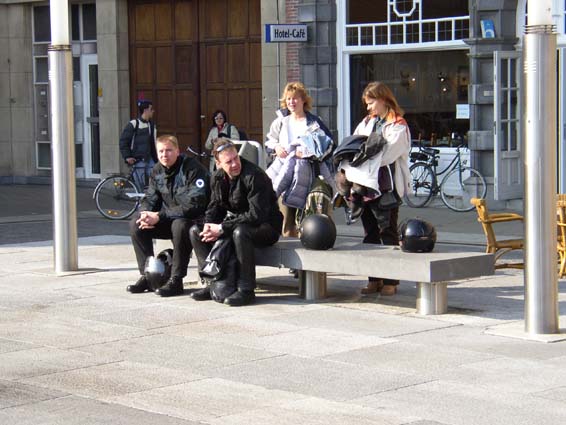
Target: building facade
column 454, row 66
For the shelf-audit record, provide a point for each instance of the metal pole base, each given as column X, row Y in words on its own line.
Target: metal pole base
column 432, row 298
column 312, row 285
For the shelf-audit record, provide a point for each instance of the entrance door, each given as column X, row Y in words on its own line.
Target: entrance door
column 191, row 57
column 561, row 121
column 91, row 145
column 508, row 142
column 230, row 64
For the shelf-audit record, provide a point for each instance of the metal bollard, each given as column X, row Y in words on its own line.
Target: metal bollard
column 432, row 298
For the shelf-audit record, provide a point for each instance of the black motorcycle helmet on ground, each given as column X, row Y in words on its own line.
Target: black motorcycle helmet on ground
column 416, row 235
column 158, row 269
column 318, row 231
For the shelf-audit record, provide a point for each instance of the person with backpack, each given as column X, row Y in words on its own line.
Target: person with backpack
column 302, row 145
column 374, row 180
column 221, row 128
column 137, row 143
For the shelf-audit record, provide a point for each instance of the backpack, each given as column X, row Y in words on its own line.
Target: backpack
column 319, row 199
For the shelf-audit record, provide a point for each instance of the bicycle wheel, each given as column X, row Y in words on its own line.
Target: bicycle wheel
column 116, row 198
column 461, row 185
column 422, row 184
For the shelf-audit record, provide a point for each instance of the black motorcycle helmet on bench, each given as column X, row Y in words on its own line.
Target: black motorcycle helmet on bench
column 318, row 231
column 158, row 269
column 416, row 235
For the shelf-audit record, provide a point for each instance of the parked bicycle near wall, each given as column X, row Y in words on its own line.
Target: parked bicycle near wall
column 117, row 197
column 459, row 185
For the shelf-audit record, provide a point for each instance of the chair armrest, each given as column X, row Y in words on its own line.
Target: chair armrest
column 502, row 217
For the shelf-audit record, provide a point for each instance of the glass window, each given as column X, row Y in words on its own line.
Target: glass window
column 41, row 24
column 366, row 11
column 76, row 68
column 44, row 155
column 41, row 70
column 444, row 9
column 427, row 85
column 75, row 23
column 89, row 21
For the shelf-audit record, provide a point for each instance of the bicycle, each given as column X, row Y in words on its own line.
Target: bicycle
column 457, row 188
column 117, row 197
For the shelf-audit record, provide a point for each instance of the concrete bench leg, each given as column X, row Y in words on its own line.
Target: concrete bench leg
column 432, row 298
column 312, row 285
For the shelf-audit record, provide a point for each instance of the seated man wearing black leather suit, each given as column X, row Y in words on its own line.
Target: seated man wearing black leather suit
column 243, row 207
column 176, row 198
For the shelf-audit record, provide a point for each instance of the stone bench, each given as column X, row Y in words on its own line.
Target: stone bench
column 431, row 271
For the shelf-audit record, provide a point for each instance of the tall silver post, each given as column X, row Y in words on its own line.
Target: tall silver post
column 63, row 159
column 541, row 290
column 62, row 142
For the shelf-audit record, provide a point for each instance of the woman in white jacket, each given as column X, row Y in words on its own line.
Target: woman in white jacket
column 385, row 174
column 294, row 121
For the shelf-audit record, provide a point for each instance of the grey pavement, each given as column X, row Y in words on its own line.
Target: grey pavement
column 78, row 349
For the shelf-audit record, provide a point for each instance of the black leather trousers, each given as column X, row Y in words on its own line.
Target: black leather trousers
column 246, row 238
column 177, row 230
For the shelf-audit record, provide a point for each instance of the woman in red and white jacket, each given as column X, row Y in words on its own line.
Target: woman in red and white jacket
column 386, row 173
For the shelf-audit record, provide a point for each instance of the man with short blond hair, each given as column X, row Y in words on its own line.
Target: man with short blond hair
column 176, row 198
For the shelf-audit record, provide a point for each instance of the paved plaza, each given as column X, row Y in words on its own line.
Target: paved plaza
column 79, row 349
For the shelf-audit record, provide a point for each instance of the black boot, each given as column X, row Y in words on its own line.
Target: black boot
column 201, row 294
column 240, row 298
column 174, row 286
column 138, row 287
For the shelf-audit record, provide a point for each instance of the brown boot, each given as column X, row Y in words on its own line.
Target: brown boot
column 388, row 290
column 374, row 286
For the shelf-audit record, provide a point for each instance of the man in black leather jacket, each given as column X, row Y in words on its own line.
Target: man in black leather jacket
column 176, row 198
column 243, row 206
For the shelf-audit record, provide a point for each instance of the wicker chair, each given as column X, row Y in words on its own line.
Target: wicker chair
column 495, row 246
column 561, row 242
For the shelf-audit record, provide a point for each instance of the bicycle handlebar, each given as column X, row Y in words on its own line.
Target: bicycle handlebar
column 194, row 152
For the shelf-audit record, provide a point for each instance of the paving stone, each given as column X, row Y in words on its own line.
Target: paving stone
column 7, row 345
column 62, row 332
column 44, row 360
column 76, row 410
column 315, row 411
column 509, row 374
column 368, row 323
column 177, row 352
column 462, row 404
column 112, row 379
column 277, row 337
column 421, row 360
column 315, row 377
column 474, row 338
column 205, row 399
column 18, row 394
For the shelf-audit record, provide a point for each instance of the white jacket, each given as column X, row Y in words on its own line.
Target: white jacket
column 398, row 137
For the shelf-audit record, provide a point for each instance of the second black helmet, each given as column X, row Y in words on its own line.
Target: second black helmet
column 318, row 231
column 416, row 235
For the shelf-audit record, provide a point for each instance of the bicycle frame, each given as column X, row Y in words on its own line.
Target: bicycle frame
column 455, row 162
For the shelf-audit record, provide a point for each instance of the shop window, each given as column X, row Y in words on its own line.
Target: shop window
column 409, row 22
column 41, row 24
column 428, row 86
